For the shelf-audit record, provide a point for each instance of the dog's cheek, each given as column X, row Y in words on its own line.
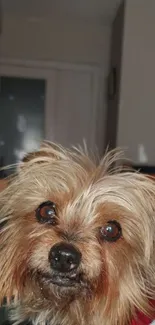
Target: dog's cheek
column 116, row 258
column 38, row 260
column 14, row 256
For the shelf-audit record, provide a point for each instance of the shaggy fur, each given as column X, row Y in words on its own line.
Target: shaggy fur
column 117, row 278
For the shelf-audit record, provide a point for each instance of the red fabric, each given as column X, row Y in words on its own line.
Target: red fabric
column 141, row 319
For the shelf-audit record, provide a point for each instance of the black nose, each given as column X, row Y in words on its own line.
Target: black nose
column 64, row 257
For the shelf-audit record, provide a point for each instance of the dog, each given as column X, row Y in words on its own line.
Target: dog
column 77, row 241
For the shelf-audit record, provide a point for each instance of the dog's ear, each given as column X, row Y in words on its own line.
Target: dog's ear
column 37, row 155
column 3, row 184
column 48, row 152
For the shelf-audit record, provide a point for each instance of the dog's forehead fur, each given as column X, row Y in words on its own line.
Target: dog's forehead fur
column 72, row 176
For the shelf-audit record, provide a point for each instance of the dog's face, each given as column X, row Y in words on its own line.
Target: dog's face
column 76, row 232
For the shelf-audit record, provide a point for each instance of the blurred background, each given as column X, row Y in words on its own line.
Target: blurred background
column 77, row 69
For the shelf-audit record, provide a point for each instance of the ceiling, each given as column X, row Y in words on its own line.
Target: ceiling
column 98, row 10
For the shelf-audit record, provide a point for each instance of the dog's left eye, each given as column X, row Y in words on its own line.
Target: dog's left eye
column 111, row 231
column 46, row 213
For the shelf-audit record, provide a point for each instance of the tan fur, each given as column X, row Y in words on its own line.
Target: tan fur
column 119, row 277
column 3, row 184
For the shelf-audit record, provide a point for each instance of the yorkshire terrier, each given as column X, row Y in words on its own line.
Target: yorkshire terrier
column 77, row 242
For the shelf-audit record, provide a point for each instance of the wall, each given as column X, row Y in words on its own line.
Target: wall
column 58, row 40
column 137, row 97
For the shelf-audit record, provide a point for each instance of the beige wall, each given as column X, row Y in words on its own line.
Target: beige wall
column 58, row 40
column 137, row 97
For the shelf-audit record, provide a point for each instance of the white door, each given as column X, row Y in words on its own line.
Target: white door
column 71, row 100
column 73, row 118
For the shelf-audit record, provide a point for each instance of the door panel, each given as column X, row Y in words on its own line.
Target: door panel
column 21, row 117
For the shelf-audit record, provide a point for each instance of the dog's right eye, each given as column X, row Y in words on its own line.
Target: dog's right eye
column 111, row 232
column 46, row 213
